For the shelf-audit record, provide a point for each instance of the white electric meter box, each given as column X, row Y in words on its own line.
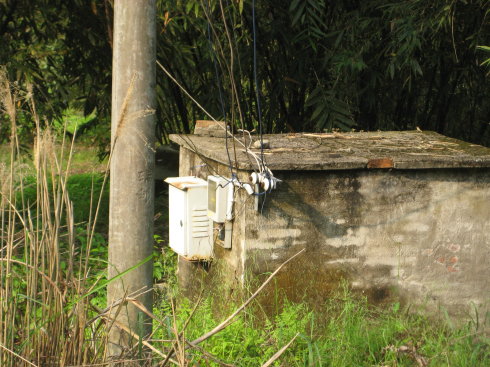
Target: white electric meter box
column 217, row 198
column 190, row 231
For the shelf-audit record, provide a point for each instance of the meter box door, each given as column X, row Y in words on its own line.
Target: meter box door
column 217, row 198
column 189, row 225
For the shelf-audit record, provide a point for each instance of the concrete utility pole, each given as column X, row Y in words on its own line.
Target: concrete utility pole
column 132, row 164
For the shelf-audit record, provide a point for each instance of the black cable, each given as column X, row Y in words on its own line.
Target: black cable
column 257, row 91
column 238, row 101
column 220, row 91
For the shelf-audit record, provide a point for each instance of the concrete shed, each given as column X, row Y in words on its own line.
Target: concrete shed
column 398, row 215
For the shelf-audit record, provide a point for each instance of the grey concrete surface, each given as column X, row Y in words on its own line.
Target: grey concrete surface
column 416, row 231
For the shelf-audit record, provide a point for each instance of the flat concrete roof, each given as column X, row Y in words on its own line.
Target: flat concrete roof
column 339, row 151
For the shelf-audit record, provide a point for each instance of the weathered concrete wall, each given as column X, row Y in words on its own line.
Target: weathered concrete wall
column 418, row 235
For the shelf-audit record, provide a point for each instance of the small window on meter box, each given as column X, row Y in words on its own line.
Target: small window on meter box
column 212, row 186
column 217, row 197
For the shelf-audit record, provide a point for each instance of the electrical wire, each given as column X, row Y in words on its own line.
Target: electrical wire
column 234, row 91
column 260, row 162
column 218, row 82
column 229, row 68
column 248, row 151
column 257, row 88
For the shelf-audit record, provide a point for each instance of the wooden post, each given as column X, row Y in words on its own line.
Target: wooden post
column 132, row 164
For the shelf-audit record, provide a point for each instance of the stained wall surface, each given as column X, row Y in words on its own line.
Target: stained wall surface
column 422, row 236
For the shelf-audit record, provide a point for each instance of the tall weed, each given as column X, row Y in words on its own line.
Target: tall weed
column 44, row 272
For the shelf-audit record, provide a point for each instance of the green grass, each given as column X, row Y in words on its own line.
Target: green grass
column 346, row 332
column 84, row 160
column 84, row 190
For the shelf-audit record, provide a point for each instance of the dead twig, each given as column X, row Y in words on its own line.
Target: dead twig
column 409, row 350
column 279, row 352
column 225, row 323
column 136, row 336
column 209, row 355
column 17, row 355
column 129, row 298
column 174, row 345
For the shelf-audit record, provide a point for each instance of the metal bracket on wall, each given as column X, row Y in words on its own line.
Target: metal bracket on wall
column 228, row 234
column 225, row 234
column 257, row 197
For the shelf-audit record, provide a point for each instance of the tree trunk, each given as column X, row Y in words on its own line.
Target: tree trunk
column 132, row 164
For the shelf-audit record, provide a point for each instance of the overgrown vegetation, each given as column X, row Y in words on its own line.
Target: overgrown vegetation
column 44, row 272
column 52, row 276
column 345, row 332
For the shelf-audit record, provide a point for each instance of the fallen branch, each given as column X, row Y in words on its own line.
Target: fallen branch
column 279, row 352
column 209, row 355
column 137, row 337
column 17, row 355
column 225, row 323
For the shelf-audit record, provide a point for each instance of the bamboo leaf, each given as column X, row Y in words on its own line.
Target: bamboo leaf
column 318, row 110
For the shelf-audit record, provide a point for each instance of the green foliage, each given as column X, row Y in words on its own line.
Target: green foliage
column 487, row 50
column 84, row 190
column 346, row 331
column 73, row 121
column 335, row 65
column 321, row 65
column 164, row 263
column 329, row 112
column 62, row 49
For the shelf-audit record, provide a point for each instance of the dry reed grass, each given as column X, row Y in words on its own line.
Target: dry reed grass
column 46, row 283
column 43, row 313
